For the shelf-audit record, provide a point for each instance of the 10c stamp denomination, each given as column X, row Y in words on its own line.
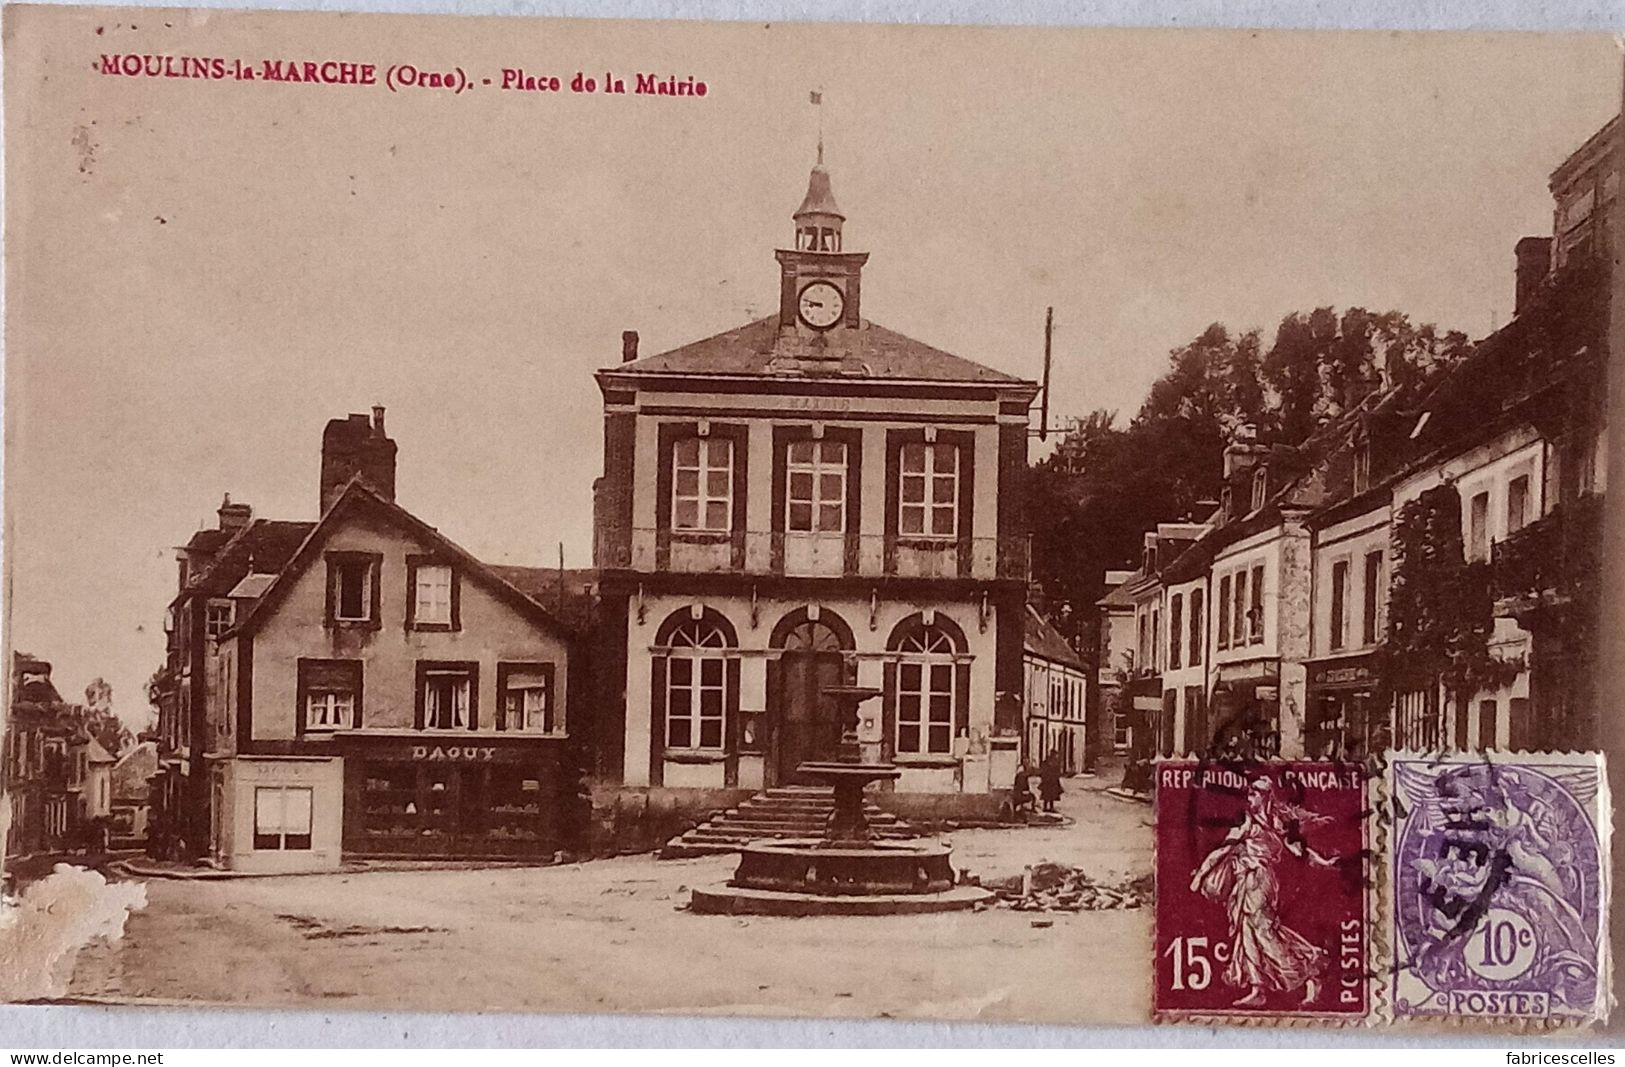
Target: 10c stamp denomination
column 1499, row 872
column 1264, row 903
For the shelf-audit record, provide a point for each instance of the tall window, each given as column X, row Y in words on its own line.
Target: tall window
column 331, row 693
column 702, row 484
column 1156, row 637
column 696, row 686
column 1261, row 484
column 1517, row 503
column 1195, row 642
column 281, row 818
column 925, row 692
column 527, row 699
column 1362, row 467
column 1223, row 617
column 354, row 596
column 1340, row 585
column 431, row 594
column 1373, row 587
column 1176, row 629
column 447, row 692
column 1478, row 527
column 816, row 487
column 928, row 491
column 1238, row 615
column 1255, row 609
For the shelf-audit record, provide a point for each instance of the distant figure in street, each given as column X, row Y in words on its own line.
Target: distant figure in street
column 1049, row 781
column 1021, row 791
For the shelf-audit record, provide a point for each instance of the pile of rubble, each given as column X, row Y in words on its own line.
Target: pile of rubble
column 1057, row 887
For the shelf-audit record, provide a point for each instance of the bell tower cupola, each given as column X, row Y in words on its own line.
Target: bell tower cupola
column 819, row 218
column 818, row 278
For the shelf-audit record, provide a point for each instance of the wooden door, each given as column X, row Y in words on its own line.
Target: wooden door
column 809, row 728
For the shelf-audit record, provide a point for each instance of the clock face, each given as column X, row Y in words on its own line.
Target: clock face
column 821, row 305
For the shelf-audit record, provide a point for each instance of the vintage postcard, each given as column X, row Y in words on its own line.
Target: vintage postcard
column 1027, row 525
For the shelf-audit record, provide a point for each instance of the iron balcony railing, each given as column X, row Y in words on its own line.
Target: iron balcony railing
column 811, row 555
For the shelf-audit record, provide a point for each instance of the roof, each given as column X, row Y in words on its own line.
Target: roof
column 1122, row 596
column 251, row 586
column 95, row 752
column 263, row 546
column 358, row 494
column 132, row 770
column 541, row 584
column 207, row 541
column 37, row 689
column 868, row 351
column 1044, row 641
column 820, row 199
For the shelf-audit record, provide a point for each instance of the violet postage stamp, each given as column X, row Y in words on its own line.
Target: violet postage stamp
column 1500, row 886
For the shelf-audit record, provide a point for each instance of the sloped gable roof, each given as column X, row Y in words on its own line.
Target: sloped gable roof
column 358, row 495
column 1044, row 640
column 264, row 546
column 867, row 352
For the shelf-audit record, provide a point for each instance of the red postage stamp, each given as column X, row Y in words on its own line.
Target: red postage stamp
column 1263, row 891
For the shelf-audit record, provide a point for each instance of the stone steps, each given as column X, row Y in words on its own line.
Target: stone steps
column 778, row 813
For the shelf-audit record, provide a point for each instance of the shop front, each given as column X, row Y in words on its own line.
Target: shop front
column 1245, row 711
column 1348, row 715
column 469, row 797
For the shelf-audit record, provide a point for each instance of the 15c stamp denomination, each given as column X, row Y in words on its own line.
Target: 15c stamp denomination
column 1500, row 895
column 1263, row 896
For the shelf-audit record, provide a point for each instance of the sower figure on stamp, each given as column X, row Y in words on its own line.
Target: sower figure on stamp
column 1241, row 874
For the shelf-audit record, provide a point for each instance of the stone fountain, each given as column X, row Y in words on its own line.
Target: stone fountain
column 846, row 872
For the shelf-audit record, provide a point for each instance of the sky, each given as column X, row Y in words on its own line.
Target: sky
column 201, row 274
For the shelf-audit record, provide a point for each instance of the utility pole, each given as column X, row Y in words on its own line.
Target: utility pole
column 1049, row 340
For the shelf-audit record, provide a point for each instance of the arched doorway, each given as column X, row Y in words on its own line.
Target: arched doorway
column 804, row 723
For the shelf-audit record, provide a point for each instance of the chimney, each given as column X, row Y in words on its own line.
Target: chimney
column 1534, row 263
column 234, row 516
column 357, row 446
column 1243, row 452
column 629, row 345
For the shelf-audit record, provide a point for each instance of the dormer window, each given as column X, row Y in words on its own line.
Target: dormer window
column 219, row 617
column 1261, row 485
column 1362, row 466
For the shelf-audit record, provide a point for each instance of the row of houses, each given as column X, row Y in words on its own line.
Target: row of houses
column 809, row 499
column 1423, row 572
column 62, row 786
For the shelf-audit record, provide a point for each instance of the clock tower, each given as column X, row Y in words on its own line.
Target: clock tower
column 818, row 280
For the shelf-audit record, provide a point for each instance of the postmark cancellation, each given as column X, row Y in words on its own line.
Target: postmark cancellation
column 1498, row 873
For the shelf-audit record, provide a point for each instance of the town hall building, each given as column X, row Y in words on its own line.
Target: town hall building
column 807, row 500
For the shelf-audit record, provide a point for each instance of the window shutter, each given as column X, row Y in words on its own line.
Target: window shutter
column 888, row 712
column 657, row 720
column 961, row 700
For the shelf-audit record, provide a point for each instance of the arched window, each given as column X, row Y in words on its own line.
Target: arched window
column 930, row 689
column 698, row 678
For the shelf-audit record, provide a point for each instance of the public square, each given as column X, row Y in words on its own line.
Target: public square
column 614, row 935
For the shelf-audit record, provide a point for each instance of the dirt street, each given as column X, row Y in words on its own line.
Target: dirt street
column 613, row 935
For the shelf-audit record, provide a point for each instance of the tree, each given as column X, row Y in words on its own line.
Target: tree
column 1104, row 485
column 98, row 719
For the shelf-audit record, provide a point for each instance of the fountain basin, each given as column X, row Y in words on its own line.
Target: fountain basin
column 811, row 866
column 805, row 876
